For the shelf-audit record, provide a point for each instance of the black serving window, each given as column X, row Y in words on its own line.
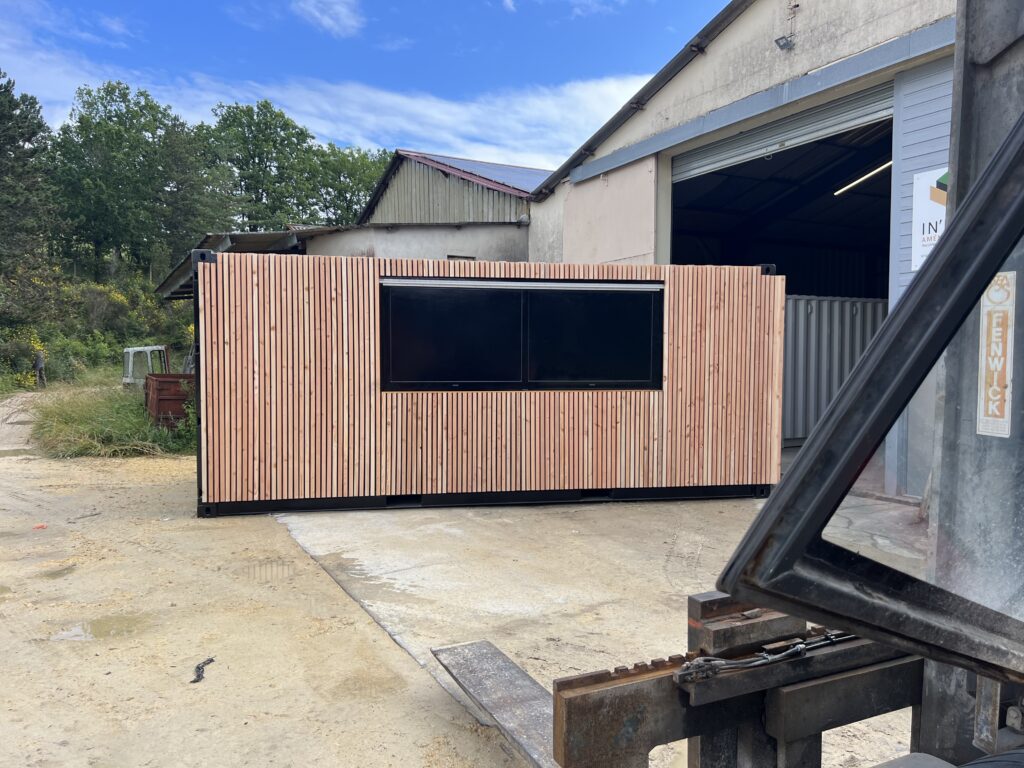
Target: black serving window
column 438, row 337
column 495, row 334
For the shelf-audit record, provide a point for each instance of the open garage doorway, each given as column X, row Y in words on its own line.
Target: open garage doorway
column 820, row 212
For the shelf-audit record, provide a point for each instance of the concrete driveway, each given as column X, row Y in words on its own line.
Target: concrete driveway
column 561, row 589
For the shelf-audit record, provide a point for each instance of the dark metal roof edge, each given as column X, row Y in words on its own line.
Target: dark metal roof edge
column 930, row 40
column 518, row 166
column 436, row 224
column 181, row 274
column 469, row 175
column 396, row 160
column 689, row 52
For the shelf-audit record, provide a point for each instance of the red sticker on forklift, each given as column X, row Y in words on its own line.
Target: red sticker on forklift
column 995, row 356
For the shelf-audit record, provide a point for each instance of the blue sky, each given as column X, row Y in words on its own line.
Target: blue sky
column 523, row 81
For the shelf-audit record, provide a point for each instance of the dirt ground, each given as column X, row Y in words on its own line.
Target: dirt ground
column 105, row 612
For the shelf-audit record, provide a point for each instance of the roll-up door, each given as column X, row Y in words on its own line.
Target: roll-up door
column 862, row 108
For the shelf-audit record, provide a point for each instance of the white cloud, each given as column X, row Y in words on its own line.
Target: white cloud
column 115, row 25
column 510, row 5
column 41, row 16
column 531, row 125
column 340, row 18
column 253, row 14
column 46, row 70
column 589, row 7
column 537, row 126
column 393, row 44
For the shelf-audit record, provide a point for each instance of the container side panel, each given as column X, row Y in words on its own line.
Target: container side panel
column 293, row 407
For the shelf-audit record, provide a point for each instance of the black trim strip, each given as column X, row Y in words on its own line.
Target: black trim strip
column 197, row 368
column 505, row 498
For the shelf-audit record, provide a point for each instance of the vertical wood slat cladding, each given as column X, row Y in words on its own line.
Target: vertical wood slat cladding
column 292, row 406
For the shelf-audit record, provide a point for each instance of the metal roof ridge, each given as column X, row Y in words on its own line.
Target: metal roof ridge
column 468, row 175
column 474, row 160
column 694, row 48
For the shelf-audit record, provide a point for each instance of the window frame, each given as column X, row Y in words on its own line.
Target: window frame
column 783, row 562
column 525, row 286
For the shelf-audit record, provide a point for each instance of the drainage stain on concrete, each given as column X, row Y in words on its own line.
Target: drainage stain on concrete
column 119, row 625
column 77, row 632
column 106, row 627
column 58, row 573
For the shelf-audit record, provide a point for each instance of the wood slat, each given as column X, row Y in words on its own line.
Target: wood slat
column 292, row 406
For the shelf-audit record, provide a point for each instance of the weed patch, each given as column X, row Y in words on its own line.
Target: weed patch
column 107, row 422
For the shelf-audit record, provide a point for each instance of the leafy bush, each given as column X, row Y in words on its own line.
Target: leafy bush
column 14, row 382
column 105, row 422
column 18, row 347
column 93, row 325
column 67, row 359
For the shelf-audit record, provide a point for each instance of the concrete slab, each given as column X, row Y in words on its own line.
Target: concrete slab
column 560, row 589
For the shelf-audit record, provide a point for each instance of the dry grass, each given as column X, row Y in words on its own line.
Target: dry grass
column 104, row 421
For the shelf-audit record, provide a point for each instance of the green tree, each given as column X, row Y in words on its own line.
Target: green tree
column 26, row 211
column 104, row 160
column 136, row 183
column 194, row 196
column 272, row 162
column 345, row 180
column 25, row 194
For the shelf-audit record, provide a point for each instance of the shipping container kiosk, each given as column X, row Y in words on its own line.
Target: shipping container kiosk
column 351, row 383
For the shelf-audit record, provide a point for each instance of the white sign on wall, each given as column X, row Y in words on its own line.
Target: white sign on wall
column 929, row 213
column 995, row 356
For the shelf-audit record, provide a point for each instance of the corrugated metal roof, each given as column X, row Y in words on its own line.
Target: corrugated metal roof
column 179, row 283
column 516, row 176
column 513, row 180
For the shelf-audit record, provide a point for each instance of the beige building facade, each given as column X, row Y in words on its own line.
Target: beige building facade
column 723, row 87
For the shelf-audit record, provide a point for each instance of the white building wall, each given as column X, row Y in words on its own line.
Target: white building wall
column 742, row 61
column 546, row 218
column 627, row 196
column 485, row 242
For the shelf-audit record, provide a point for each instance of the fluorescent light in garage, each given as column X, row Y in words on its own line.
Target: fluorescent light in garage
column 865, row 177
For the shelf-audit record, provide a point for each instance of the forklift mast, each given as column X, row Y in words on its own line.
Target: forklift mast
column 960, row 714
column 918, row 602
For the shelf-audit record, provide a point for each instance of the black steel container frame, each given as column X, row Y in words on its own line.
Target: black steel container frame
column 481, row 499
column 208, row 257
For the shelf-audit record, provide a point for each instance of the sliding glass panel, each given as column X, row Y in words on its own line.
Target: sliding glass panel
column 596, row 339
column 451, row 338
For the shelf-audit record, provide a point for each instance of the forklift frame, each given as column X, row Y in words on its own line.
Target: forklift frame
column 784, row 563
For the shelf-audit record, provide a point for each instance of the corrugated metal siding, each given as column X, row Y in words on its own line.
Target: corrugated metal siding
column 836, row 116
column 825, row 338
column 419, row 194
column 922, row 111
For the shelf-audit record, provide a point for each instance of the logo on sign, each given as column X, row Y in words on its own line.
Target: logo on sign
column 928, row 214
column 995, row 358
